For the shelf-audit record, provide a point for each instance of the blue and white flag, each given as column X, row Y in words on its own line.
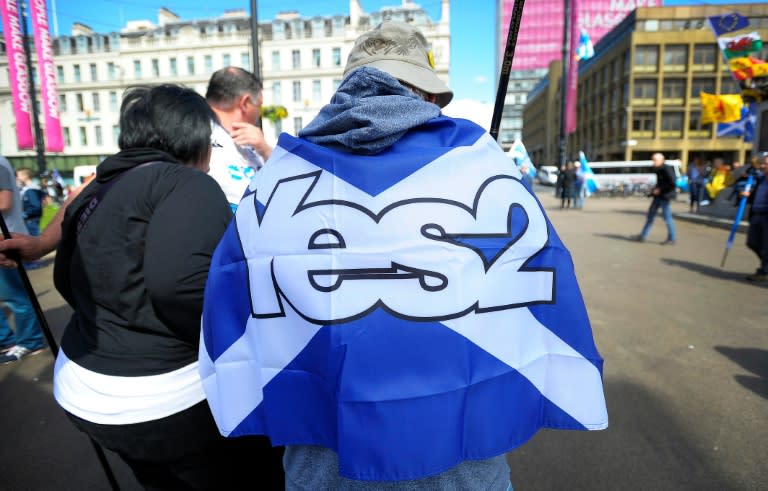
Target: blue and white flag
column 519, row 154
column 589, row 176
column 743, row 128
column 409, row 310
column 584, row 49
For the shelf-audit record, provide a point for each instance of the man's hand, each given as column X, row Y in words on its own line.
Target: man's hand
column 251, row 135
column 28, row 247
column 656, row 191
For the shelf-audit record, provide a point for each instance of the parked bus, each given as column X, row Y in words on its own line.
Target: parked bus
column 635, row 175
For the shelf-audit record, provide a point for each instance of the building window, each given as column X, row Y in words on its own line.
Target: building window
column 729, row 86
column 155, row 67
column 695, row 128
column 190, row 65
column 63, row 103
column 277, row 92
column 245, row 60
column 174, row 67
column 336, row 56
column 646, row 59
column 699, row 85
column 60, row 73
column 278, row 128
column 226, row 60
column 316, row 92
column 208, row 64
column 115, row 134
column 77, row 73
column 80, row 103
column 296, row 59
column 96, row 102
column 276, row 61
column 643, row 124
column 136, row 68
column 297, row 125
column 336, row 83
column 67, row 137
column 94, row 73
column 316, row 58
column 113, row 101
column 111, row 72
column 675, row 58
column 704, row 57
column 83, row 137
column 99, row 138
column 673, row 91
column 671, row 124
column 297, row 91
column 645, row 92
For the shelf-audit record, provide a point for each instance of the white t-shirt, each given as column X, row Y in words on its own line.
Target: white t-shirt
column 232, row 165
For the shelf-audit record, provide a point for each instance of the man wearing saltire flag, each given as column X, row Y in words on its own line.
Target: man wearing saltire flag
column 390, row 302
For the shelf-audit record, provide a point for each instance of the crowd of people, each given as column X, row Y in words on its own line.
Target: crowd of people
column 571, row 186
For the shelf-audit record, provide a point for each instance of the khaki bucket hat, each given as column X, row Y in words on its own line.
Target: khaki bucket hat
column 399, row 49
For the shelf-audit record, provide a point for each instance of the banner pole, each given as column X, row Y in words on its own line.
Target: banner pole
column 506, row 66
column 39, row 142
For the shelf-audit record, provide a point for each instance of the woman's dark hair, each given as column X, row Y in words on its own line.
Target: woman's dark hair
column 167, row 117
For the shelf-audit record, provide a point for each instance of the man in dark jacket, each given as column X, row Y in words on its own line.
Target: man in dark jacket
column 663, row 193
column 757, row 235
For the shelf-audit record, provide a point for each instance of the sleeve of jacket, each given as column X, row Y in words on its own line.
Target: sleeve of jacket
column 182, row 235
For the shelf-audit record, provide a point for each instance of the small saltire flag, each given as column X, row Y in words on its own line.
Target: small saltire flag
column 743, row 128
column 584, row 50
column 722, row 108
column 519, row 154
column 589, row 176
column 748, row 67
column 740, row 46
column 723, row 24
column 409, row 310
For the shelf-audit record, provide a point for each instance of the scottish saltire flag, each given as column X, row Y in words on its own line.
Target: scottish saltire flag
column 723, row 24
column 409, row 310
column 584, row 49
column 589, row 176
column 519, row 154
column 743, row 128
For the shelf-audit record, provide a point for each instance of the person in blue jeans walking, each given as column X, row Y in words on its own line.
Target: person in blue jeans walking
column 27, row 337
column 663, row 193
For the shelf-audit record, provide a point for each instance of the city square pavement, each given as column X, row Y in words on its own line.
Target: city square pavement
column 685, row 344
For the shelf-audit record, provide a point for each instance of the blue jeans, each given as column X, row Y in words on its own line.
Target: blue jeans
column 666, row 211
column 28, row 333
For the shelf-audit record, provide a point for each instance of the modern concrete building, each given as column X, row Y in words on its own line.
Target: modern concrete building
column 301, row 60
column 639, row 94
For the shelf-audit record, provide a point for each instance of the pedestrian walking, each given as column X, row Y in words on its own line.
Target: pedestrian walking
column 662, row 193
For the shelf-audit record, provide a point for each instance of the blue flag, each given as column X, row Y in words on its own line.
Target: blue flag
column 743, row 128
column 589, row 176
column 723, row 24
column 409, row 310
column 584, row 49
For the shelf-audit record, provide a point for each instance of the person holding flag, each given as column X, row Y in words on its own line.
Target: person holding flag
column 390, row 301
column 757, row 234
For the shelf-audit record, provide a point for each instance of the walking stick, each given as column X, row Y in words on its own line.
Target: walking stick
column 737, row 220
column 506, row 66
column 54, row 347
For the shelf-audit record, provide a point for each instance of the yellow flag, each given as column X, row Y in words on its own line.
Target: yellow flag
column 748, row 67
column 720, row 108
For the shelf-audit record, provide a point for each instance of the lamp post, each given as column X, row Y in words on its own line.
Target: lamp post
column 255, row 45
column 39, row 142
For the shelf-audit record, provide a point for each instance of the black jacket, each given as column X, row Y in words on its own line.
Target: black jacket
column 665, row 182
column 135, row 274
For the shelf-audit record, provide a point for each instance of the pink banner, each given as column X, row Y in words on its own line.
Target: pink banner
column 18, row 73
column 572, row 79
column 54, row 139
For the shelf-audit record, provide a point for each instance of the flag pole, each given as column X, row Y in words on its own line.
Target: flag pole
column 737, row 220
column 52, row 345
column 506, row 66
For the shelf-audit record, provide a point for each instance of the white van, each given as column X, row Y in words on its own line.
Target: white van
column 633, row 174
column 82, row 172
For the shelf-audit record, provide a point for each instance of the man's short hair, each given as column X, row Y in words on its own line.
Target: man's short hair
column 167, row 117
column 229, row 83
column 26, row 171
